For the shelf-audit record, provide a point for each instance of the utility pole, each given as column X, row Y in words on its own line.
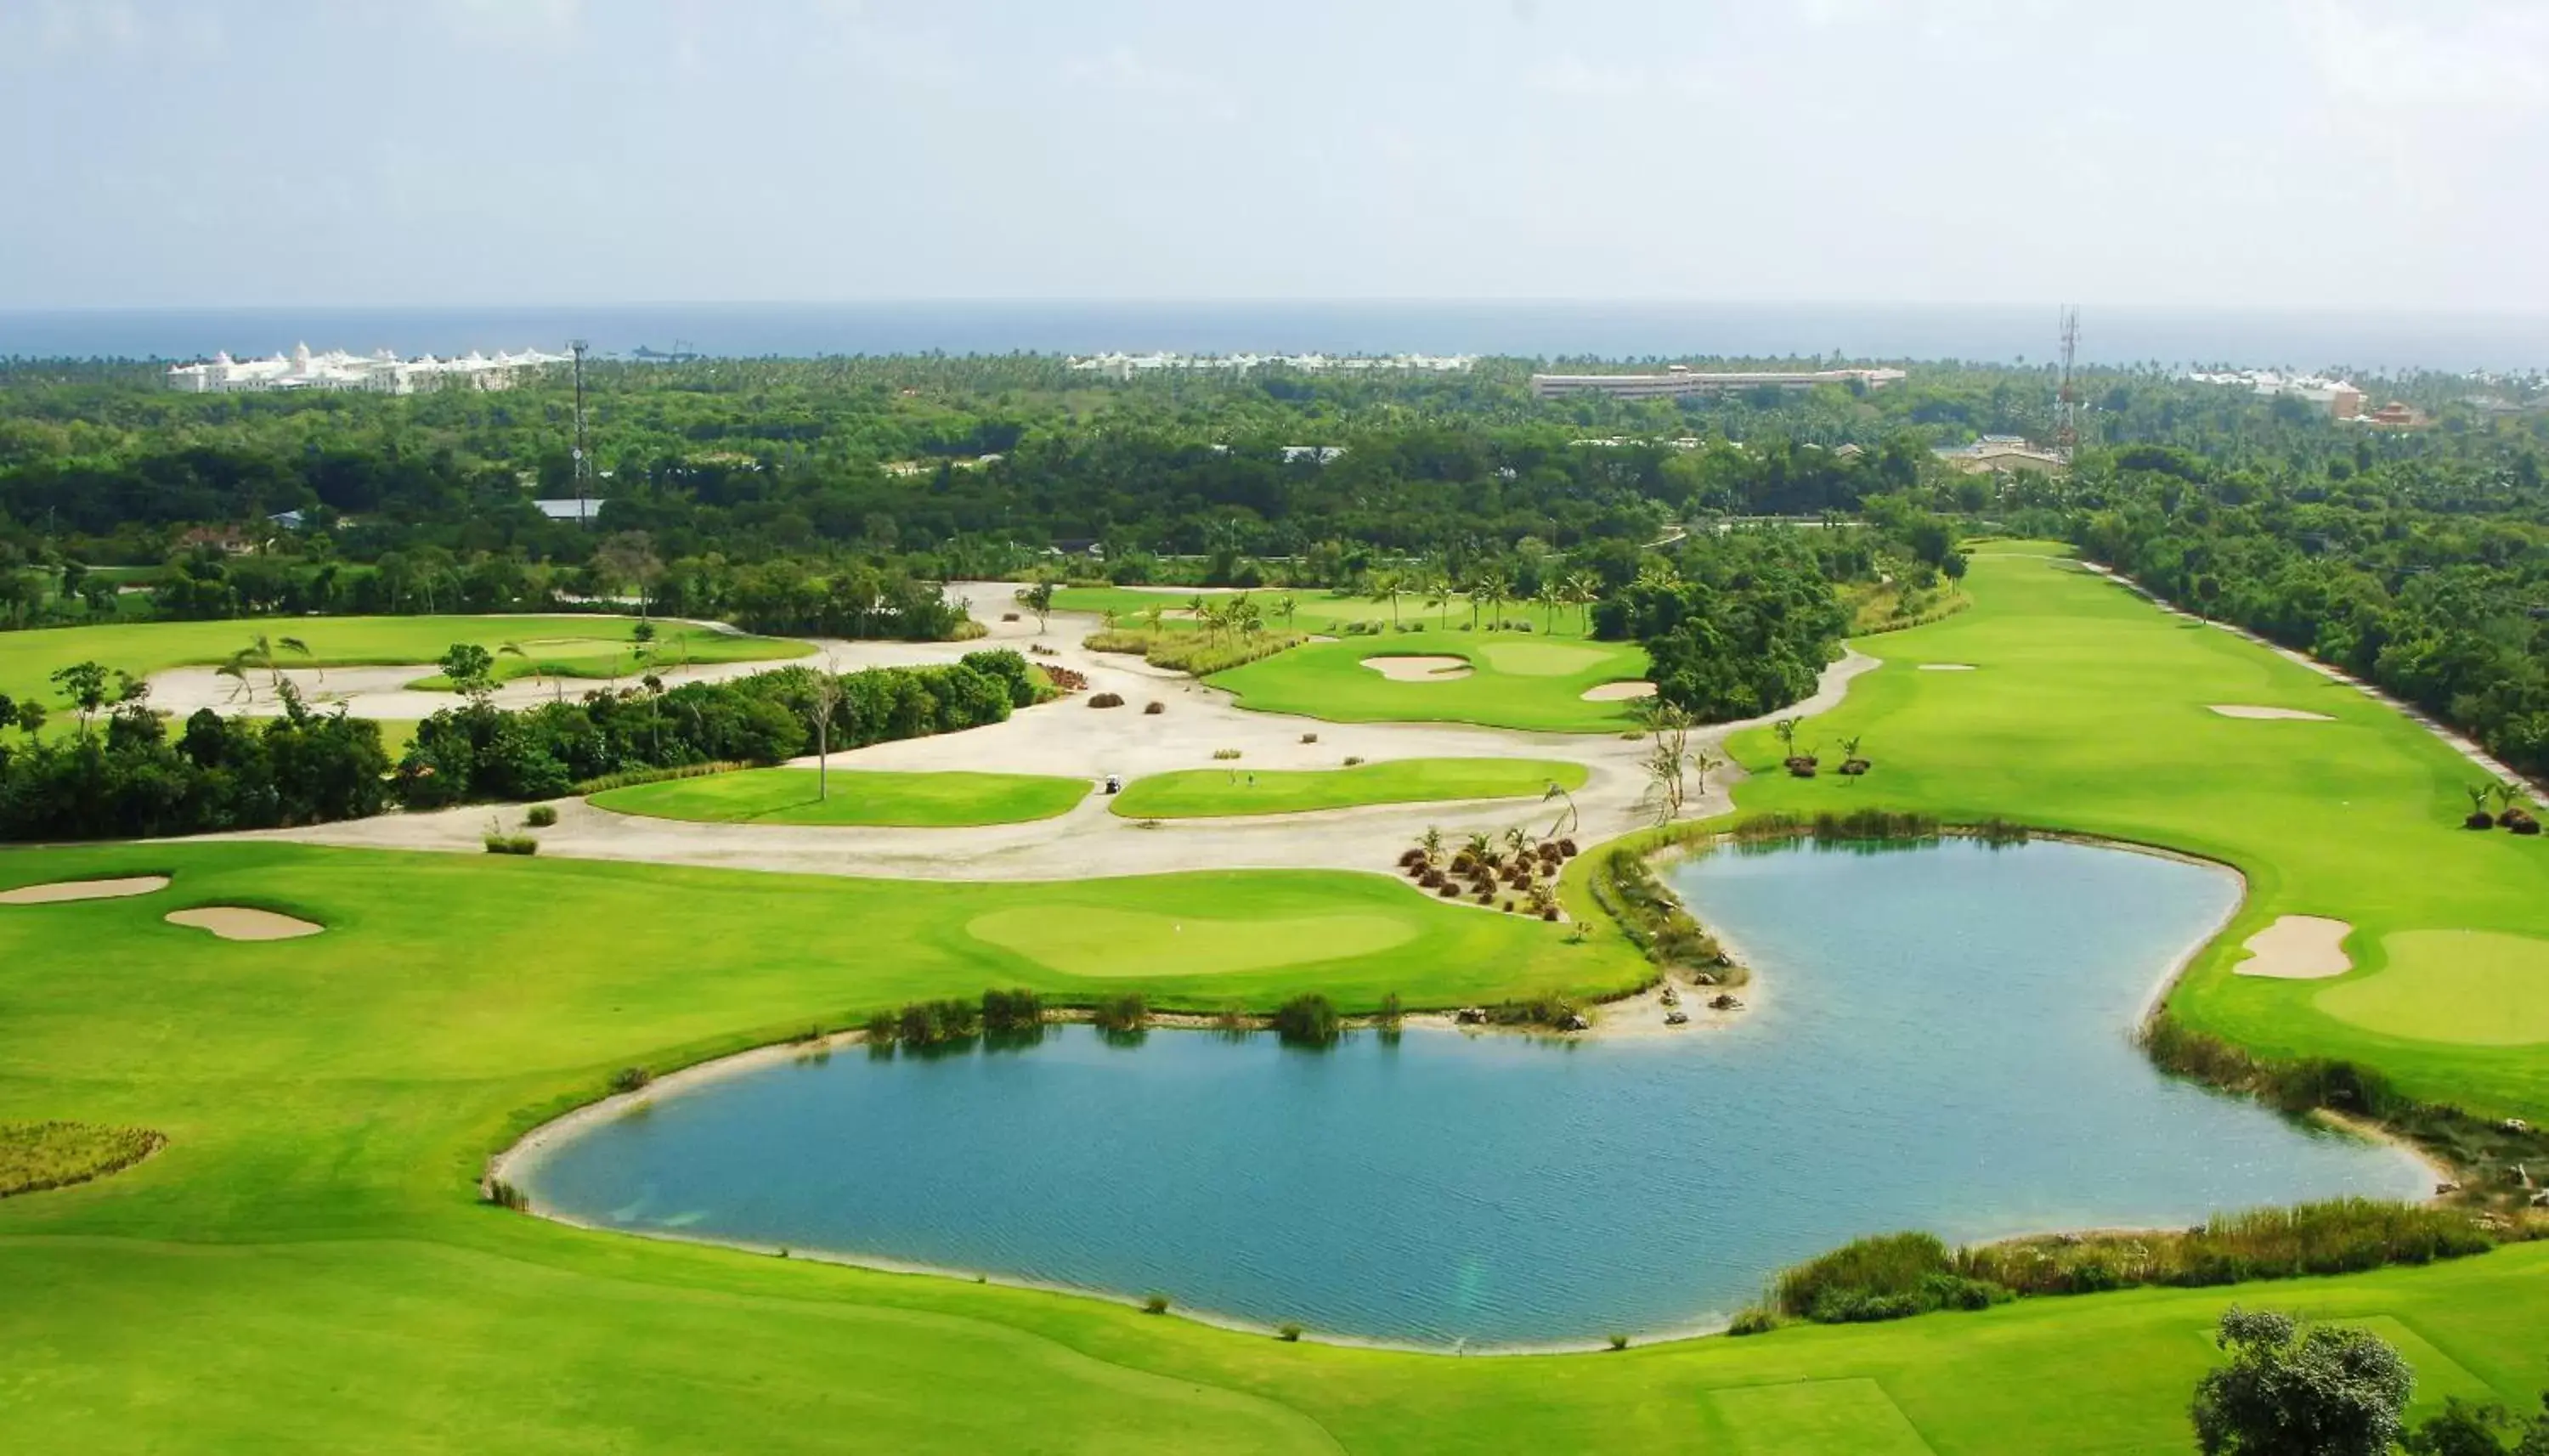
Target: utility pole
column 582, row 456
column 2066, row 402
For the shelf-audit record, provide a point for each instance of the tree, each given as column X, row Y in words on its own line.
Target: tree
column 265, row 654
column 1667, row 762
column 84, row 684
column 1953, row 569
column 1390, row 587
column 1583, row 588
column 1037, row 597
column 628, row 558
column 827, row 696
column 2296, row 1391
column 1285, row 607
column 470, row 669
column 1431, row 842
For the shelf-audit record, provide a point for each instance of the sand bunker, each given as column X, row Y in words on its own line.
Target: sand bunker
column 2250, row 710
column 1419, row 669
column 238, row 923
column 2298, row 948
column 1619, row 691
column 83, row 889
column 1947, row 666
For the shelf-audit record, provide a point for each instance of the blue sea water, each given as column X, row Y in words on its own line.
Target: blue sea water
column 1941, row 1044
column 2358, row 341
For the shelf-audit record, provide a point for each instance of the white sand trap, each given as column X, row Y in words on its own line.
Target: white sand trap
column 1618, row 691
column 1947, row 666
column 2251, row 710
column 83, row 889
column 2299, row 947
column 1419, row 669
column 240, row 923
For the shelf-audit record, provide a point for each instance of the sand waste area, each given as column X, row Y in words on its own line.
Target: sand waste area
column 83, row 889
column 1619, row 691
column 1418, row 669
column 240, row 923
column 2299, row 947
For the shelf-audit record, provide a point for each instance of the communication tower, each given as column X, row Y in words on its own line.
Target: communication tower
column 2066, row 400
column 582, row 456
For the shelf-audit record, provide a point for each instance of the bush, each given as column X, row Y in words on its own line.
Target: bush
column 541, row 816
column 1307, row 1020
column 511, row 843
column 1155, row 1304
column 880, row 1029
column 1106, row 699
column 629, row 1079
column 925, row 1023
column 1354, row 760
column 1224, row 755
column 1012, row 1011
column 603, row 783
column 1309, row 738
column 1752, row 1321
column 1126, row 1012
column 1288, row 1332
column 1153, row 707
column 505, row 1195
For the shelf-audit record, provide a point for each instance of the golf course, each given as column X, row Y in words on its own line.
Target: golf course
column 310, row 1260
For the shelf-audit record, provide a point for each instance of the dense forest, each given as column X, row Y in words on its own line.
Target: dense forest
column 834, row 496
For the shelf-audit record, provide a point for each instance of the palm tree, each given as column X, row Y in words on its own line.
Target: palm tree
column 232, row 670
column 1849, row 745
column 1438, row 593
column 265, row 654
column 1431, row 842
column 1199, row 608
column 1551, row 597
column 1583, row 588
column 2479, row 795
column 1480, row 848
column 1284, row 607
column 1786, row 730
column 1390, row 587
column 1517, row 841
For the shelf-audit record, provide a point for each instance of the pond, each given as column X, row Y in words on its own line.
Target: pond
column 1940, row 1043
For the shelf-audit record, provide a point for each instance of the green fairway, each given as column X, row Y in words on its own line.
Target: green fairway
column 2469, row 986
column 1205, row 794
column 2088, row 709
column 1097, row 942
column 1515, row 681
column 858, row 796
column 571, row 646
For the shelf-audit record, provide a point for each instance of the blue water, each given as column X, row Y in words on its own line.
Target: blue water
column 1941, row 1044
column 2367, row 342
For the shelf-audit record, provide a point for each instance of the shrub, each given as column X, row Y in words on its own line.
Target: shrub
column 1106, row 699
column 1155, row 1304
column 1126, row 1012
column 1353, row 760
column 925, row 1023
column 1011, row 1011
column 1154, row 707
column 511, row 843
column 1307, row 1020
column 1618, row 1341
column 880, row 1029
column 1224, row 755
column 1309, row 738
column 630, row 1078
column 1752, row 1321
column 1288, row 1332
column 541, row 816
column 505, row 1195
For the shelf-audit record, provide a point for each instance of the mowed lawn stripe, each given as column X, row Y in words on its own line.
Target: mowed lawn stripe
column 1203, row 793
column 856, row 796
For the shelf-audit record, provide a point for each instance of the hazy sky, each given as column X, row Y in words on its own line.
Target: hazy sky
column 2285, row 152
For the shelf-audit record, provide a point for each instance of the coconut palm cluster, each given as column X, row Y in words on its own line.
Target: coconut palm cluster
column 1519, row 870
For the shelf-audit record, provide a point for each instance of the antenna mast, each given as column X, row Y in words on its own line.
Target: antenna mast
column 2066, row 402
column 582, row 457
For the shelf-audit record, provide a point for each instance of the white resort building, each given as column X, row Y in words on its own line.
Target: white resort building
column 1680, row 381
column 381, row 373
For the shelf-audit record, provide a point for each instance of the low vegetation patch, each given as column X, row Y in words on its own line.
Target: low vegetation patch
column 512, row 843
column 1194, row 653
column 1895, row 1275
column 1309, row 1020
column 35, row 1157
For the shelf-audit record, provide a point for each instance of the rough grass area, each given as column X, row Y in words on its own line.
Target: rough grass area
column 859, row 796
column 1517, row 681
column 35, row 1157
column 1203, row 793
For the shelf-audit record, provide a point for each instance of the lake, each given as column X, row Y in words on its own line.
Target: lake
column 1940, row 1043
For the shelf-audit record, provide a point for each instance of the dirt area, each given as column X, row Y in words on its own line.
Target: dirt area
column 2250, row 710
column 1619, row 691
column 2298, row 948
column 240, row 923
column 1419, row 669
column 83, row 889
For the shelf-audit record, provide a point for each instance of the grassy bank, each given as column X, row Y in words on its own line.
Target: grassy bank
column 1201, row 793
column 859, row 796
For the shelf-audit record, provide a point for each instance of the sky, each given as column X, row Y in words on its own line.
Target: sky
column 2253, row 154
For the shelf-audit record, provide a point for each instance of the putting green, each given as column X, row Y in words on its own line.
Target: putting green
column 1544, row 659
column 1542, row 690
column 1199, row 793
column 2475, row 987
column 1095, row 941
column 859, row 796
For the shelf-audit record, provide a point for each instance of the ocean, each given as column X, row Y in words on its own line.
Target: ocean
column 2366, row 343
